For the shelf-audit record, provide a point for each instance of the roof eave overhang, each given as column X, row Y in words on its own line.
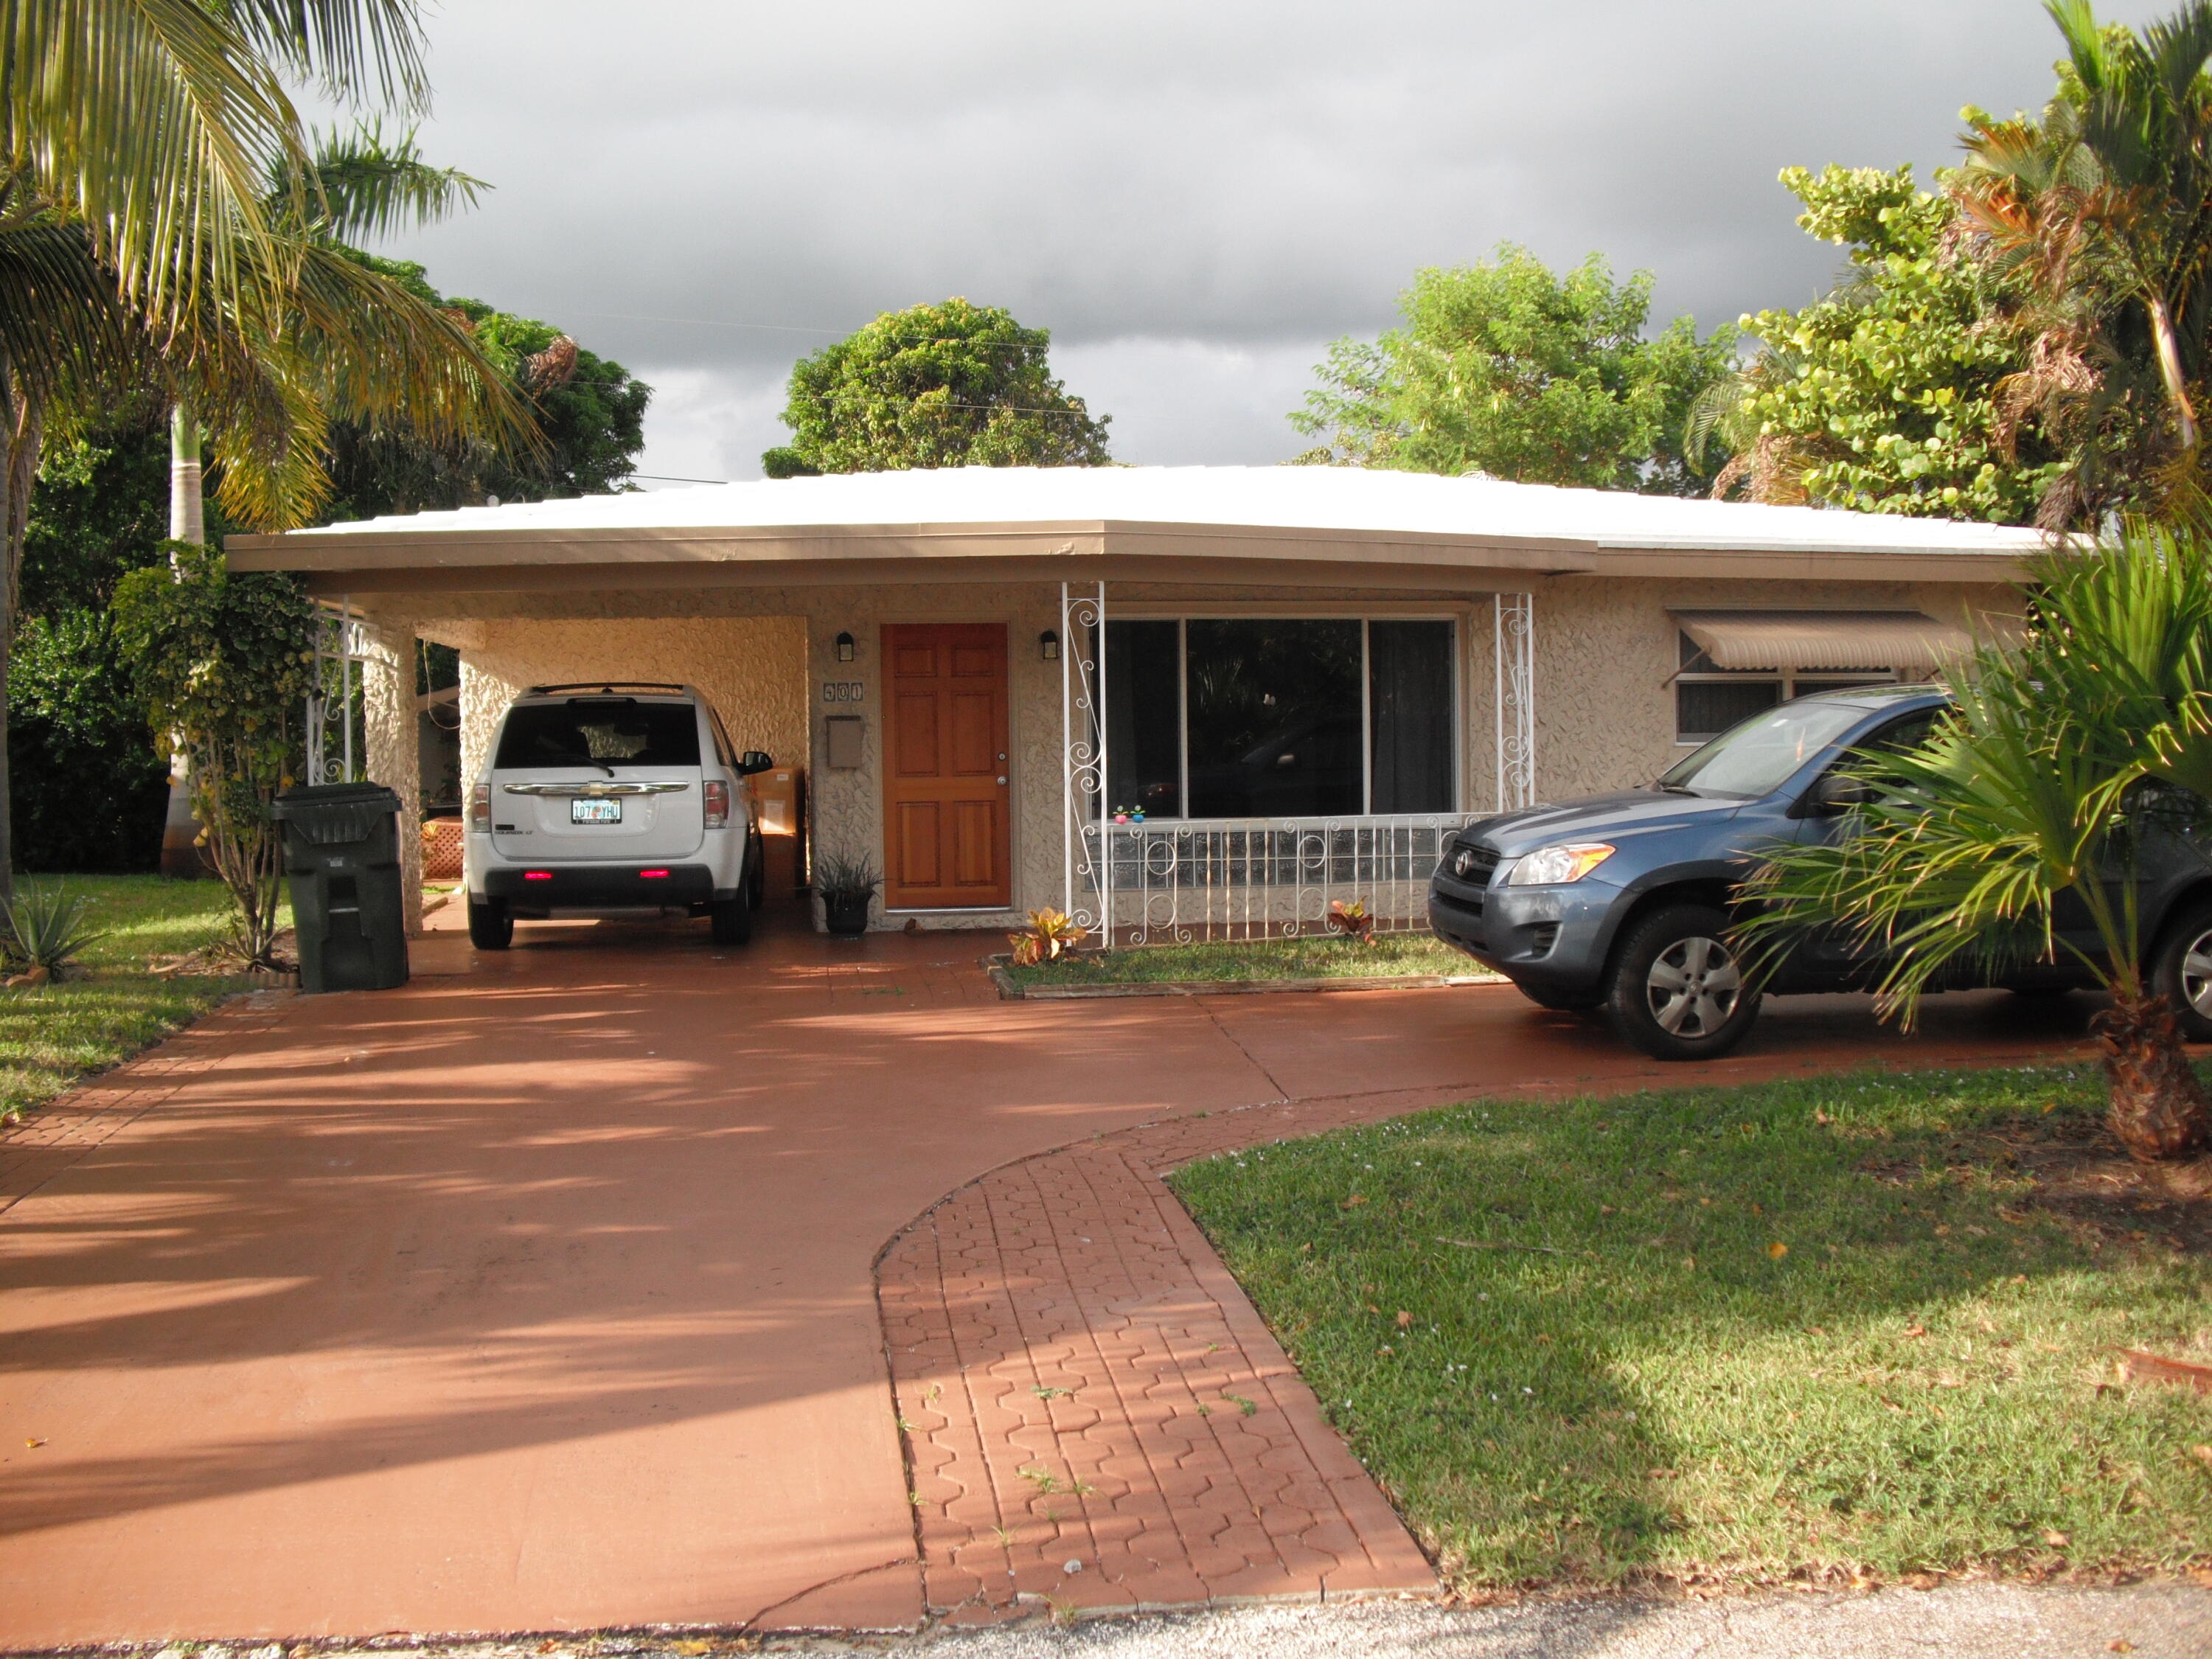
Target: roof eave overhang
column 401, row 560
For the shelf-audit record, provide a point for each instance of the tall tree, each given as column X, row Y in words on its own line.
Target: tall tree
column 589, row 412
column 949, row 385
column 2104, row 204
column 1503, row 367
column 1895, row 393
column 134, row 136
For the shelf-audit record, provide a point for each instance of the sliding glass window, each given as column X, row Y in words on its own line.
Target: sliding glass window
column 1265, row 717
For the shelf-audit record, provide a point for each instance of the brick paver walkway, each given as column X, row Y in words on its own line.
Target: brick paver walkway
column 1081, row 1385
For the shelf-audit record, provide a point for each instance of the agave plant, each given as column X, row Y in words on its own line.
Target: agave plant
column 1052, row 934
column 46, row 929
column 2032, row 795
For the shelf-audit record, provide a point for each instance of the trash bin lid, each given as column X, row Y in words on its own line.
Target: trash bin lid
column 329, row 814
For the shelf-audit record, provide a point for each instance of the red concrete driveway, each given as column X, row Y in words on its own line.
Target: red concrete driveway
column 538, row 1295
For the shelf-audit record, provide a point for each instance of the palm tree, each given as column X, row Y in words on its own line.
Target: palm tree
column 2106, row 204
column 2029, row 801
column 140, row 241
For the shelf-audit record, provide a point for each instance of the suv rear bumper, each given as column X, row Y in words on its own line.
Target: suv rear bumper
column 595, row 887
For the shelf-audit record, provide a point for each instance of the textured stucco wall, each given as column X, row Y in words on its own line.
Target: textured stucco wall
column 394, row 757
column 751, row 668
column 1604, row 650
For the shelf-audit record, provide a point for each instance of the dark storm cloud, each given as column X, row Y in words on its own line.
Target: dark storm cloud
column 1193, row 183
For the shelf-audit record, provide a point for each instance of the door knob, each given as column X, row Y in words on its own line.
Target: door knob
column 1002, row 779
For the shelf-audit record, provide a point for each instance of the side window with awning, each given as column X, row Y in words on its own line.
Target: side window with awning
column 1735, row 664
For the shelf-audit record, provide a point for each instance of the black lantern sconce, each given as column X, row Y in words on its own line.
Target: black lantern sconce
column 1049, row 645
column 844, row 647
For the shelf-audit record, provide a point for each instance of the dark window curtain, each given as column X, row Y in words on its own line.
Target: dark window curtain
column 1705, row 709
column 1144, row 717
column 1274, row 717
column 1409, row 704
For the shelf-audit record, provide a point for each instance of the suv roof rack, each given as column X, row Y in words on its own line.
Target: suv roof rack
column 604, row 685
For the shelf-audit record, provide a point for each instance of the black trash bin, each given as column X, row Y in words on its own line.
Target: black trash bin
column 342, row 854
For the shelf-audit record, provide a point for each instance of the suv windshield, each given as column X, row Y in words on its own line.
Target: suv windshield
column 1755, row 757
column 600, row 732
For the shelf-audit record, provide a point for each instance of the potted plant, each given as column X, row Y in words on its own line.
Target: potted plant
column 847, row 886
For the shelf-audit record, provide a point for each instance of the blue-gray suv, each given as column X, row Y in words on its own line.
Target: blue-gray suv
column 1625, row 903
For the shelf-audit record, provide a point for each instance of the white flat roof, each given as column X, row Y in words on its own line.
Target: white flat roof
column 1343, row 500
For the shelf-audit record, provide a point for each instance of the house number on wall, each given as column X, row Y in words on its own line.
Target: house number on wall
column 843, row 690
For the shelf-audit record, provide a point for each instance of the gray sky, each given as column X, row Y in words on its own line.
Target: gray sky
column 1194, row 198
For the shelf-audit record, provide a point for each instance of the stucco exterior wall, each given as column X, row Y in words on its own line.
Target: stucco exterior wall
column 1604, row 652
column 753, row 670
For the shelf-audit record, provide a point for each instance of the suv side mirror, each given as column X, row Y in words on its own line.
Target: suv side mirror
column 755, row 760
column 1836, row 794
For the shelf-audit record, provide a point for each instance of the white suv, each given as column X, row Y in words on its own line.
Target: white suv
column 613, row 797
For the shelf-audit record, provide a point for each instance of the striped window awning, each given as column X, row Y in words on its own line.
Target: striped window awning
column 1792, row 641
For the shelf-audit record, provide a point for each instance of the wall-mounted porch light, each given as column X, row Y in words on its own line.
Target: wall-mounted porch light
column 844, row 647
column 1048, row 644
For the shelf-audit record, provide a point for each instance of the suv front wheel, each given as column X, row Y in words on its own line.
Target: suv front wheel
column 1678, row 989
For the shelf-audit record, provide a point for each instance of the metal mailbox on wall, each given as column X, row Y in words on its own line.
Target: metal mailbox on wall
column 841, row 743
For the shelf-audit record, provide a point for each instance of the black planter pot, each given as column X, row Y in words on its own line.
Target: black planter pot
column 847, row 913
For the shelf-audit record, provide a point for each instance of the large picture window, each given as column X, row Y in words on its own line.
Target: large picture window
column 1269, row 717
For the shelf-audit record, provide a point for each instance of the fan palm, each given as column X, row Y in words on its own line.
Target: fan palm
column 2029, row 800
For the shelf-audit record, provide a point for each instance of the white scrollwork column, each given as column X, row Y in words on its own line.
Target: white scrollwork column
column 1514, row 654
column 1088, row 864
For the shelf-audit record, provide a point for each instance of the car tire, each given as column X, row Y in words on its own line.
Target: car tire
column 491, row 925
column 1677, row 989
column 1561, row 1002
column 2181, row 968
column 756, row 870
column 731, row 919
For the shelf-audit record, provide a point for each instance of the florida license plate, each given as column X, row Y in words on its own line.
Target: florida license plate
column 595, row 812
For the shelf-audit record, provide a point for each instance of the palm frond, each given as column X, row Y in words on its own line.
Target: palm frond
column 351, row 48
column 154, row 123
column 363, row 185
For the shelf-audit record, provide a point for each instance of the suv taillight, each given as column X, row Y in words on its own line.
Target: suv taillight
column 480, row 809
column 717, row 804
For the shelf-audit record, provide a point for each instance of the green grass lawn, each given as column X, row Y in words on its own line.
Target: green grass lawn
column 111, row 1006
column 1305, row 958
column 1862, row 1326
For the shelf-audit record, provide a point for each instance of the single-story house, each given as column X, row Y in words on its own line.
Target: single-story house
column 1166, row 698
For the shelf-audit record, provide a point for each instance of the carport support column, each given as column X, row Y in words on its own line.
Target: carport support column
column 395, row 758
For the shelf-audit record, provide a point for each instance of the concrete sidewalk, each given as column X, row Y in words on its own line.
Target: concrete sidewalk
column 539, row 1295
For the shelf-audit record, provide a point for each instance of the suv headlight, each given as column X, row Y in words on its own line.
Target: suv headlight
column 1553, row 866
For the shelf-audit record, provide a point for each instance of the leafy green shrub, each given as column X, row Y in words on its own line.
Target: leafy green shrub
column 223, row 663
column 88, row 784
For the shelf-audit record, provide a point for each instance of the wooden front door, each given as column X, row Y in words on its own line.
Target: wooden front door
column 946, row 831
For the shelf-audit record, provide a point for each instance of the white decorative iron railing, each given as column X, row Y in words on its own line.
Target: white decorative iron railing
column 1175, row 880
column 337, row 735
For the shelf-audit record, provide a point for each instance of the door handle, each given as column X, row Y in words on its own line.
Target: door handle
column 1002, row 779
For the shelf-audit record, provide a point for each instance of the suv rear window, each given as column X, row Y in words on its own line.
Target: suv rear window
column 600, row 732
